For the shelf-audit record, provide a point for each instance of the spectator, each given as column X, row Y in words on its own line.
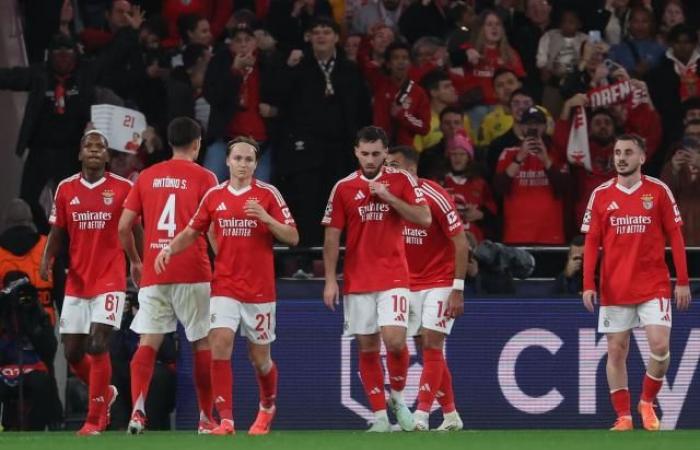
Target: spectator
column 423, row 18
column 442, row 94
column 471, row 193
column 527, row 31
column 27, row 349
column 672, row 14
column 570, row 280
column 371, row 58
column 612, row 20
column 215, row 12
column 185, row 86
column 499, row 120
column 489, row 51
column 640, row 51
column 380, row 12
column 58, row 107
column 288, row 19
column 400, row 105
column 591, row 72
column 463, row 20
column 433, row 163
column 603, row 125
column 118, row 14
column 352, row 47
column 675, row 79
column 194, row 29
column 682, row 174
column 533, row 183
column 558, row 54
column 691, row 109
column 325, row 102
column 241, row 87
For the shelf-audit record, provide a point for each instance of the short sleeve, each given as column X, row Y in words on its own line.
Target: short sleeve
column 590, row 216
column 411, row 193
column 202, row 217
column 279, row 210
column 444, row 211
column 504, row 160
column 670, row 214
column 334, row 216
column 133, row 200
column 58, row 209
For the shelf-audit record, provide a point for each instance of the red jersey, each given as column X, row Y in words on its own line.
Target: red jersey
column 532, row 213
column 375, row 257
column 167, row 195
column 481, row 75
column 89, row 213
column 470, row 191
column 244, row 266
column 429, row 251
column 631, row 225
column 414, row 116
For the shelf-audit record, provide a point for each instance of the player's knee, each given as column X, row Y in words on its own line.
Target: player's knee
column 98, row 344
column 659, row 351
column 394, row 344
column 617, row 352
column 73, row 353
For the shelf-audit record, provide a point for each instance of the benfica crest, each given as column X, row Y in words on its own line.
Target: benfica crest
column 108, row 196
column 647, row 201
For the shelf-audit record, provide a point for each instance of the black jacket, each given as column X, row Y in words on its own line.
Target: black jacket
column 36, row 80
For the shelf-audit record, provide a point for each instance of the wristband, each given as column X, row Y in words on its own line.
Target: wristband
column 168, row 249
column 457, row 284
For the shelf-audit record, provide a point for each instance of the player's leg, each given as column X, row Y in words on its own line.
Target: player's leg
column 258, row 323
column 224, row 322
column 100, row 393
column 75, row 328
column 431, row 375
column 655, row 316
column 191, row 305
column 616, row 370
column 392, row 311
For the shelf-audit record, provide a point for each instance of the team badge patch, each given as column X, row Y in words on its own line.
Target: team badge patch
column 108, row 196
column 647, row 201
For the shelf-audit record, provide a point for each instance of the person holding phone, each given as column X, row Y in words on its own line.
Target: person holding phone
column 533, row 183
column 570, row 280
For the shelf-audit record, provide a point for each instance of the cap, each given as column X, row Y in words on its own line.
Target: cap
column 17, row 213
column 460, row 143
column 534, row 115
column 241, row 27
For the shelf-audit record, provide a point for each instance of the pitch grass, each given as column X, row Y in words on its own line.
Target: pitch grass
column 356, row 440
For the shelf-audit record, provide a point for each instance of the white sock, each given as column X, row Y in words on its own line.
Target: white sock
column 381, row 415
column 421, row 415
column 397, row 396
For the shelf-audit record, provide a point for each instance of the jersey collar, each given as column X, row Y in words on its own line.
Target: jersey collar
column 631, row 190
column 379, row 174
column 239, row 192
column 89, row 185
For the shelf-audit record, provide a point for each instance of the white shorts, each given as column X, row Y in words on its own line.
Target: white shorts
column 79, row 313
column 162, row 305
column 614, row 319
column 427, row 310
column 367, row 313
column 257, row 320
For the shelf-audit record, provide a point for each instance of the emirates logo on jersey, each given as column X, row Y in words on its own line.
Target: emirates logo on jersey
column 373, row 212
column 108, row 196
column 414, row 236
column 647, row 201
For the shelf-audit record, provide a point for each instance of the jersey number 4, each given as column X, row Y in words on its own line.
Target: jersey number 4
column 166, row 221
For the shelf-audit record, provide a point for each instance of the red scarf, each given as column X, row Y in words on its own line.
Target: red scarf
column 59, row 94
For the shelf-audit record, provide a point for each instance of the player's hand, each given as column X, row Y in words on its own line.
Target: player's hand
column 162, row 260
column 254, row 209
column 590, row 298
column 455, row 304
column 136, row 269
column 380, row 190
column 331, row 296
column 682, row 294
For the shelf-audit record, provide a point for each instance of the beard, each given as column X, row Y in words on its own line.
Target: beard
column 627, row 171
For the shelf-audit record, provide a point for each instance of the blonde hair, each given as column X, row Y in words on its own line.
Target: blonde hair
column 504, row 49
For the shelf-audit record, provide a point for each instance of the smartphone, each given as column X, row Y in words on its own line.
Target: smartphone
column 531, row 133
column 594, row 36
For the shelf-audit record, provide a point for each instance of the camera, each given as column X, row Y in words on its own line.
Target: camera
column 19, row 303
column 502, row 259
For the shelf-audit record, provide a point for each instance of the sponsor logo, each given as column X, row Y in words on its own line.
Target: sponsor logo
column 221, row 207
column 373, row 212
column 630, row 224
column 414, row 236
column 613, row 206
column 424, row 387
column 237, row 227
column 75, row 201
column 91, row 220
column 359, row 195
column 108, row 196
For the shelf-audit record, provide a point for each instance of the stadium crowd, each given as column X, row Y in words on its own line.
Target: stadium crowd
column 512, row 105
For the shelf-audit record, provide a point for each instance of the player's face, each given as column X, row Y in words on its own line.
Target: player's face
column 397, row 161
column 242, row 161
column 628, row 158
column 371, row 156
column 93, row 153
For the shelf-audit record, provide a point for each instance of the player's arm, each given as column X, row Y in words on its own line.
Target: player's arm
column 128, row 241
column 184, row 239
column 590, row 260
column 54, row 243
column 455, row 301
column 682, row 291
column 418, row 214
column 331, row 250
column 211, row 234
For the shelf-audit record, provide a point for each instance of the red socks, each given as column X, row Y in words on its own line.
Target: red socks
column 445, row 395
column 373, row 380
column 141, row 373
column 100, row 376
column 430, row 378
column 202, row 381
column 620, row 400
column 650, row 388
column 268, row 387
column 222, row 387
column 397, row 365
column 81, row 369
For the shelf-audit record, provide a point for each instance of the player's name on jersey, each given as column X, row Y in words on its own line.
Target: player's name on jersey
column 630, row 224
column 237, row 227
column 414, row 236
column 91, row 220
column 169, row 183
column 373, row 211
